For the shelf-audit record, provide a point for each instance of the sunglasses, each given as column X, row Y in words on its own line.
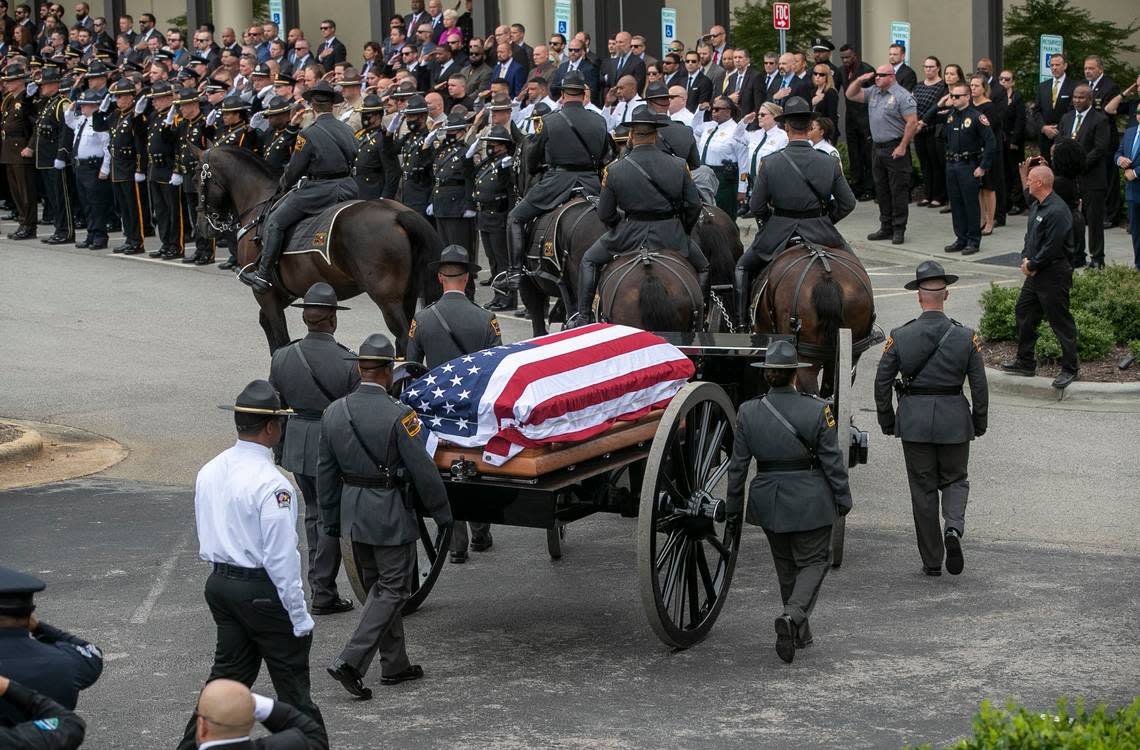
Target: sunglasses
column 326, row 28
column 884, row 75
column 821, row 75
column 958, row 96
column 1005, row 78
column 575, row 49
column 718, row 109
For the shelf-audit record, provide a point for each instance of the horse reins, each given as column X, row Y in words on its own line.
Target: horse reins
column 613, row 281
column 214, row 218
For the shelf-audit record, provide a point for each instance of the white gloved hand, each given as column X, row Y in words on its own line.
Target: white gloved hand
column 472, row 149
column 59, row 164
column 169, row 116
column 105, row 105
column 33, row 87
column 258, row 121
column 213, row 116
column 469, row 213
column 140, row 105
column 429, row 210
column 140, row 177
column 394, row 125
column 175, row 180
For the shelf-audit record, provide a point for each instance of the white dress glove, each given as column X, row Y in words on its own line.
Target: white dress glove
column 213, row 116
column 175, row 180
column 429, row 210
column 169, row 116
column 59, row 164
column 105, row 104
column 33, row 87
column 469, row 213
column 140, row 105
column 140, row 177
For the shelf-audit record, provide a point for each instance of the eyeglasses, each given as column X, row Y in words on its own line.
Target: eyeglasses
column 326, row 28
column 821, row 75
column 883, row 75
column 555, row 43
column 1006, row 78
column 958, row 96
column 637, row 46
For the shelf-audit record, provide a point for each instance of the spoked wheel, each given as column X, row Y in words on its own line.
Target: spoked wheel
column 844, row 409
column 431, row 549
column 686, row 552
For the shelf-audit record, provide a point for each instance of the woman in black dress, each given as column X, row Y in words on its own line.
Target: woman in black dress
column 931, row 150
column 992, row 181
column 825, row 100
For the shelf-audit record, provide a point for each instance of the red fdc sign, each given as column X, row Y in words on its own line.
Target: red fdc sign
column 782, row 16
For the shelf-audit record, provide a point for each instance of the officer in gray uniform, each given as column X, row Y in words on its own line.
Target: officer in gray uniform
column 451, row 327
column 493, row 195
column 372, row 448
column 661, row 206
column 572, row 144
column 799, row 487
column 324, row 155
column 309, row 374
column 932, row 355
column 415, row 157
column 674, row 138
column 799, row 193
column 374, row 146
column 453, row 176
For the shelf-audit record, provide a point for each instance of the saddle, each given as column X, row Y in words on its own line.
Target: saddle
column 545, row 260
column 313, row 234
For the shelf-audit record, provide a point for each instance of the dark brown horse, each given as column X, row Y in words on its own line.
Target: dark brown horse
column 812, row 292
column 656, row 290
column 380, row 248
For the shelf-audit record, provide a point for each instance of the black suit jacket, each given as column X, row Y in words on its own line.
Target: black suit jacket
column 588, row 71
column 701, row 92
column 750, row 88
column 906, row 77
column 413, row 20
column 1095, row 139
column 1051, row 114
column 634, row 66
column 339, row 53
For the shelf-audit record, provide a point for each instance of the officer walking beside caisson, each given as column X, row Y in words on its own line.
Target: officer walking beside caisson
column 311, row 373
column 494, row 195
column 373, row 457
column 931, row 356
column 970, row 152
column 799, row 487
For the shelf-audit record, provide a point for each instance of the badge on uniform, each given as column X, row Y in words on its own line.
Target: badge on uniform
column 966, row 123
column 827, row 415
column 887, row 346
column 283, row 499
column 47, row 725
column 411, row 424
column 320, row 238
column 412, row 329
column 977, row 342
column 300, row 144
column 538, row 126
column 495, row 327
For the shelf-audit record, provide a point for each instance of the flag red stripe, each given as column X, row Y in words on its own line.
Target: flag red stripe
column 595, row 393
column 499, row 444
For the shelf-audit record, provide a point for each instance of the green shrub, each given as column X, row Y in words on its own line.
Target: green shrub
column 1072, row 728
column 1094, row 338
column 1134, row 348
column 1118, row 301
column 998, row 321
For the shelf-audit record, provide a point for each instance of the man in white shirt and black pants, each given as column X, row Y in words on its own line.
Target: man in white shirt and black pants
column 246, row 513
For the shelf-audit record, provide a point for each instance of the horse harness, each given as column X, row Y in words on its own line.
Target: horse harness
column 626, row 262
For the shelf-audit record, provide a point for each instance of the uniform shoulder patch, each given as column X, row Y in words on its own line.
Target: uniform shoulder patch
column 605, row 174
column 977, row 342
column 411, row 424
column 495, row 326
column 412, row 329
column 284, row 498
column 982, row 119
column 890, row 342
column 47, row 725
column 828, row 416
column 300, row 143
column 538, row 126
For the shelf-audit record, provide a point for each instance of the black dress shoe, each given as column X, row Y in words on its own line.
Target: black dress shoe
column 1013, row 367
column 865, row 197
column 98, row 245
column 203, row 260
column 999, row 222
column 1014, row 211
column 945, row 210
column 23, row 233
column 501, row 305
column 347, row 676
column 121, row 248
column 57, row 240
column 954, row 247
column 458, row 558
column 970, row 250
column 954, row 560
column 482, row 545
column 156, row 253
column 898, row 237
column 882, row 234
column 932, row 572
column 337, row 606
column 134, row 250
column 1079, row 263
column 804, row 637
column 785, row 638
column 227, row 264
column 1064, row 380
column 413, row 672
column 83, row 243
column 172, row 254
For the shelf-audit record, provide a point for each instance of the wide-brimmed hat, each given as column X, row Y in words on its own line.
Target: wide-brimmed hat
column 160, row 88
column 500, row 102
column 350, row 77
column 454, row 255
column 278, row 105
column 929, row 270
column 122, row 87
column 261, row 70
column 376, row 348
column 186, row 96
column 66, row 84
column 405, row 90
column 323, row 91
column 14, row 72
column 50, row 75
column 259, row 397
column 573, row 82
column 643, row 115
column 416, row 106
column 498, row 133
column 539, row 111
column 234, row 103
column 781, row 355
column 90, row 96
column 796, row 106
column 370, row 103
column 457, row 119
column 320, row 294
column 97, row 70
column 656, row 90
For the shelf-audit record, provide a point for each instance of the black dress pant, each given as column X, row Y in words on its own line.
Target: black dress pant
column 493, row 238
column 892, row 185
column 963, row 186
column 939, row 482
column 95, row 198
column 1046, row 295
column 58, row 201
column 1093, row 207
column 932, row 158
column 168, row 212
column 203, row 248
column 22, row 181
column 253, row 627
column 129, row 197
column 859, row 155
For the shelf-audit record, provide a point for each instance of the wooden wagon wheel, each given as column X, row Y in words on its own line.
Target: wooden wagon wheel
column 554, row 539
column 844, row 410
column 431, row 549
column 686, row 553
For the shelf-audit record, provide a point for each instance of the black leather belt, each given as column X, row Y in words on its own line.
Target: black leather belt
column 93, row 161
column 963, row 157
column 373, row 483
column 333, row 176
column 888, row 144
column 450, row 183
column 239, row 573
column 650, row 215
column 945, row 391
column 815, row 213
column 573, row 169
column 791, row 464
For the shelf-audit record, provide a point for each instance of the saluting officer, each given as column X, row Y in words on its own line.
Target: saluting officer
column 451, row 327
column 162, row 151
column 373, row 456
column 674, row 138
column 53, row 146
column 192, row 135
column 247, row 530
column 970, row 151
column 37, row 655
column 932, row 355
column 415, row 156
column 279, row 139
column 17, row 118
column 310, row 374
column 571, row 144
column 92, row 159
column 799, row 487
column 799, row 192
column 661, row 206
column 235, row 129
column 374, row 143
column 453, row 176
column 493, row 195
column 128, row 160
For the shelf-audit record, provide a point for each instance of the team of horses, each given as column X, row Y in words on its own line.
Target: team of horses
column 381, row 248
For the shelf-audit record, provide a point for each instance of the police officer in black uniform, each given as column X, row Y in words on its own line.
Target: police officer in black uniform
column 279, row 139
column 43, row 724
column 128, row 160
column 494, row 195
column 453, row 179
column 452, row 327
column 192, row 135
column 374, row 145
column 660, row 202
column 970, row 152
column 162, row 151
column 52, row 144
column 324, row 155
column 931, row 356
column 415, row 157
column 373, row 457
column 571, row 144
column 799, row 192
column 37, row 655
column 311, row 373
column 234, row 131
column 799, row 487
column 674, row 138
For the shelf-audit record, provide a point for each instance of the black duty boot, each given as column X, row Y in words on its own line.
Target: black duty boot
column 516, row 245
column 270, row 247
column 740, row 294
column 587, row 286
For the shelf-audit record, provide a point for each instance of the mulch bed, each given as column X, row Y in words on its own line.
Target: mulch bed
column 8, row 433
column 1098, row 371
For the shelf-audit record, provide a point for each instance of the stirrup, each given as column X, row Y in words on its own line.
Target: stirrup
column 576, row 321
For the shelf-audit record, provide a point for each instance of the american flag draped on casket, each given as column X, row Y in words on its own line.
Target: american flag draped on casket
column 564, row 387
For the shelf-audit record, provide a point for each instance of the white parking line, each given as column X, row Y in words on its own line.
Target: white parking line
column 142, row 614
column 955, row 288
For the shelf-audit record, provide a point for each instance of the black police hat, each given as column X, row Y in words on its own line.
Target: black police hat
column 97, row 69
column 258, row 397
column 261, row 70
column 278, row 105
column 457, row 119
column 50, row 75
column 370, row 103
column 214, row 86
column 234, row 103
column 656, row 90
column 16, row 592
column 159, row 89
column 454, row 255
column 323, row 91
column 35, row 61
column 822, row 43
column 498, row 133
column 198, row 59
column 930, row 270
column 284, row 79
column 574, row 82
column 416, row 106
column 320, row 294
column 122, row 86
column 796, row 106
column 186, row 96
column 781, row 355
column 376, row 348
column 620, row 134
column 539, row 111
column 164, row 53
column 644, row 116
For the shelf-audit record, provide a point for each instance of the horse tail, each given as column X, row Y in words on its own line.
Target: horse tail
column 827, row 299
column 426, row 247
column 716, row 240
column 657, row 313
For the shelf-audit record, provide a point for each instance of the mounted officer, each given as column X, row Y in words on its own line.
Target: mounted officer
column 800, row 193
column 572, row 144
column 661, row 206
column 374, row 144
column 674, row 138
column 52, row 144
column 310, row 374
column 278, row 140
column 799, row 487
column 493, row 195
column 321, row 168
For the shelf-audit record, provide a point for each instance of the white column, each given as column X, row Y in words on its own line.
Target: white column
column 235, row 14
column 531, row 14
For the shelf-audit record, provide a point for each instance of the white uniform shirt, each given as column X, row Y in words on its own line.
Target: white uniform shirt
column 685, row 117
column 761, row 143
column 247, row 516
column 89, row 144
column 718, row 143
column 826, row 148
column 621, row 111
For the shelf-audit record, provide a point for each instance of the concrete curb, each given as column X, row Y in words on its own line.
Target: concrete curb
column 1042, row 388
column 28, row 445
